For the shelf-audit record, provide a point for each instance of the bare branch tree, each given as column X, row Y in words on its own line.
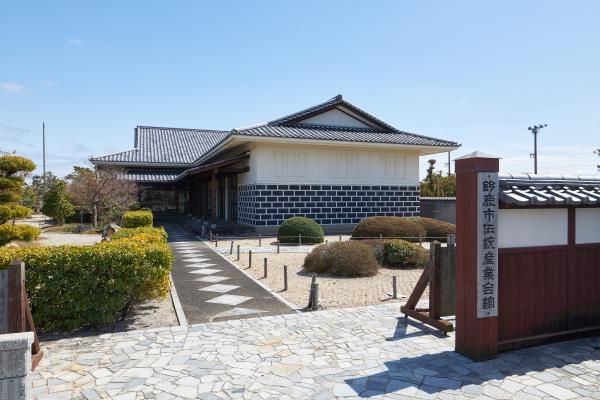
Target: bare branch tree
column 104, row 192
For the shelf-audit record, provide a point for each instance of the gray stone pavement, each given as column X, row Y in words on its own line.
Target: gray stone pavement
column 367, row 352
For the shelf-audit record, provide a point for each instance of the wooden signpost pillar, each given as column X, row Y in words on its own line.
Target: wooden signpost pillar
column 477, row 256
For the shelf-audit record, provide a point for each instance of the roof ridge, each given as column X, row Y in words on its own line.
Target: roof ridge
column 114, row 154
column 331, row 102
column 336, row 127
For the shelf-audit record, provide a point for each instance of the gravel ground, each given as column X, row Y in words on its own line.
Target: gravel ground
column 335, row 292
column 60, row 238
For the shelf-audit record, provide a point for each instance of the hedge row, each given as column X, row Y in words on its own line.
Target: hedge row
column 8, row 233
column 410, row 229
column 70, row 287
column 136, row 219
column 158, row 233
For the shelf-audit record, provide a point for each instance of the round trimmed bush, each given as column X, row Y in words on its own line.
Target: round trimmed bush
column 310, row 230
column 403, row 254
column 346, row 259
column 396, row 227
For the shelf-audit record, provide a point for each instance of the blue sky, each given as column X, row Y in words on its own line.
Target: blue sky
column 476, row 72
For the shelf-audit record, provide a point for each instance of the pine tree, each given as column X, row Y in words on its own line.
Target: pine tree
column 13, row 170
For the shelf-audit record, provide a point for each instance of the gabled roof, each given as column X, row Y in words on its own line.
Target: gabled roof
column 334, row 120
column 166, row 146
column 295, row 126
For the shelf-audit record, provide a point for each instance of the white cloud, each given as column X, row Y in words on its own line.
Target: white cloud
column 11, row 87
column 75, row 42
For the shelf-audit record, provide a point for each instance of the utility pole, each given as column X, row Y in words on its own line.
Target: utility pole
column 535, row 129
column 44, row 152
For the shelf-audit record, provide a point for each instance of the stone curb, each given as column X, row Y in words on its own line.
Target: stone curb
column 177, row 304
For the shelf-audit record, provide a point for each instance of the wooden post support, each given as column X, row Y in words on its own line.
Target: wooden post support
column 278, row 247
column 265, row 267
column 435, row 294
column 300, row 239
column 217, row 240
column 231, row 248
column 249, row 259
column 259, row 240
column 238, row 252
column 476, row 338
column 285, row 280
column 340, row 238
column 17, row 317
column 394, row 287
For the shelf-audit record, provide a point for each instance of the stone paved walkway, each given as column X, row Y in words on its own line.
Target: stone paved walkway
column 363, row 352
column 210, row 288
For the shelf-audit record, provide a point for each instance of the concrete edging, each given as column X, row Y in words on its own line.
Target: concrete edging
column 177, row 304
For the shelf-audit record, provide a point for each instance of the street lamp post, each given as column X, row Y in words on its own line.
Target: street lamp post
column 535, row 129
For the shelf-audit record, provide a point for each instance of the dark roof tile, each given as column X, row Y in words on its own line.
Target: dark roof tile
column 156, row 145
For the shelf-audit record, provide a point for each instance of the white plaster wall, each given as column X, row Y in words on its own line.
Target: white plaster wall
column 335, row 118
column 532, row 227
column 587, row 225
column 284, row 163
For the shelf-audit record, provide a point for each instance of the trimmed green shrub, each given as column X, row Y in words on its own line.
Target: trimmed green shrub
column 9, row 233
column 396, row 227
column 437, row 229
column 136, row 219
column 407, row 228
column 347, row 259
column 159, row 233
column 76, row 286
column 310, row 230
column 403, row 254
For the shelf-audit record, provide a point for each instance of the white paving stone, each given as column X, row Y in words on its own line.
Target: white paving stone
column 229, row 299
column 212, row 279
column 205, row 271
column 200, row 265
column 219, row 288
column 195, row 259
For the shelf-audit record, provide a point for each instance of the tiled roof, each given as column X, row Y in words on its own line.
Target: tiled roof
column 152, row 175
column 291, row 126
column 342, row 134
column 541, row 190
column 183, row 147
column 156, row 145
